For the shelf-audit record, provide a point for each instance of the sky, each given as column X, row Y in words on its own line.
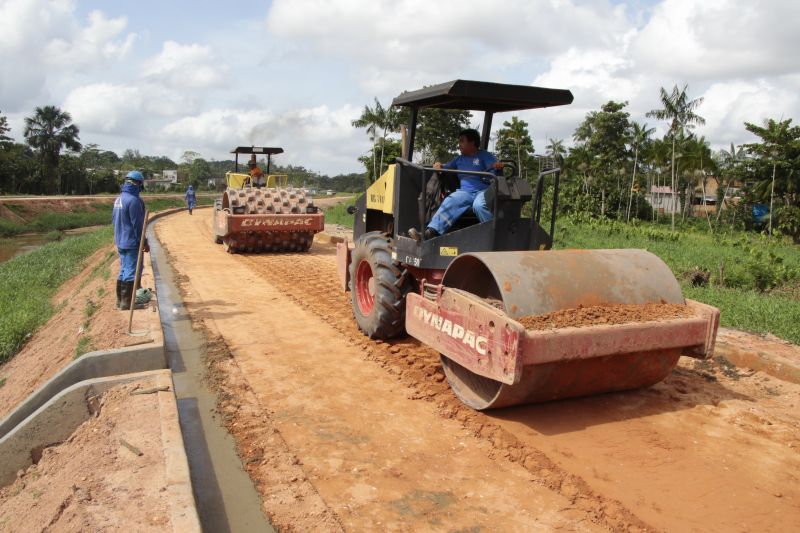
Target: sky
column 170, row 76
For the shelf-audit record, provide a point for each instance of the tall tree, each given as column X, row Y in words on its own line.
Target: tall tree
column 728, row 163
column 437, row 133
column 4, row 128
column 371, row 119
column 514, row 142
column 604, row 135
column 639, row 139
column 50, row 130
column 555, row 149
column 780, row 148
column 679, row 111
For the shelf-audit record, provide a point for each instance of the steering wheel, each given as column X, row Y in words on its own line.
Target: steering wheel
column 511, row 164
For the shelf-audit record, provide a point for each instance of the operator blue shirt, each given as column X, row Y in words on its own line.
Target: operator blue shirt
column 190, row 196
column 481, row 161
column 128, row 218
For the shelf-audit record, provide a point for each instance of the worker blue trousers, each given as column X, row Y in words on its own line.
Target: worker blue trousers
column 127, row 264
column 456, row 204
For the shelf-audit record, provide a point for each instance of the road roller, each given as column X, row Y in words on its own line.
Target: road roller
column 467, row 292
column 261, row 212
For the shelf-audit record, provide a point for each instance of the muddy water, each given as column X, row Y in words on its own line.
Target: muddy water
column 225, row 496
column 11, row 247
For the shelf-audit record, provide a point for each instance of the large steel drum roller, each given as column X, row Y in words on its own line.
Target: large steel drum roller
column 490, row 360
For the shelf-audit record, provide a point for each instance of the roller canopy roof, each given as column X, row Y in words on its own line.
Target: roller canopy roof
column 483, row 96
column 256, row 150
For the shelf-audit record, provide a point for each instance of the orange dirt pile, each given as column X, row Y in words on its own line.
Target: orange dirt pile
column 603, row 315
column 92, row 482
column 87, row 304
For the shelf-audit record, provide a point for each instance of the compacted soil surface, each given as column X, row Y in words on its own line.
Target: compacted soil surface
column 86, row 320
column 339, row 432
column 108, row 475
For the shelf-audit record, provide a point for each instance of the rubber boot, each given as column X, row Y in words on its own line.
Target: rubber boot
column 126, row 295
column 119, row 294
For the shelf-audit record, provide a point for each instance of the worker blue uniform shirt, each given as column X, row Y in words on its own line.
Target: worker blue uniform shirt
column 128, row 218
column 190, row 197
column 470, row 193
column 481, row 161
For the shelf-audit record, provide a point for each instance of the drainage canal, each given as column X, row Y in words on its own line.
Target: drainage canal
column 225, row 496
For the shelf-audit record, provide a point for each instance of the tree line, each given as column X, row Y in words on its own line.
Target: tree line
column 52, row 160
column 615, row 163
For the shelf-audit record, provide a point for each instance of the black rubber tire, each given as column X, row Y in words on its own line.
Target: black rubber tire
column 386, row 319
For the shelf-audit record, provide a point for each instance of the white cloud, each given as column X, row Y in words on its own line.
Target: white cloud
column 185, row 66
column 123, row 109
column 315, row 137
column 42, row 40
column 712, row 39
column 91, row 45
column 423, row 41
column 727, row 106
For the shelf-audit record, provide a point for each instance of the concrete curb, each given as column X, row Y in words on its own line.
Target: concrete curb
column 56, row 420
column 97, row 364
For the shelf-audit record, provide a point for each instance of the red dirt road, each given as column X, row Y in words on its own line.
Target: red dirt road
column 382, row 442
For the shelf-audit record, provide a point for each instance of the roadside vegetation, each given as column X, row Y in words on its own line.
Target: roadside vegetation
column 337, row 214
column 28, row 283
column 97, row 214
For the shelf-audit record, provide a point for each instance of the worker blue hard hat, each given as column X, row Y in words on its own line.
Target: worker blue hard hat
column 135, row 175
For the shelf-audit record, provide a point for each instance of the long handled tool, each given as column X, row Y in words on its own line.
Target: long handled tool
column 139, row 258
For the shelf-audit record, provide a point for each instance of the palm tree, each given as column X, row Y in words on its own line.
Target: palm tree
column 777, row 137
column 390, row 120
column 728, row 164
column 49, row 130
column 678, row 110
column 555, row 149
column 640, row 136
column 370, row 119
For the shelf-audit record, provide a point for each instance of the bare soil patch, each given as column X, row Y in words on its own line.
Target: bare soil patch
column 711, row 448
column 107, row 476
column 86, row 320
column 602, row 315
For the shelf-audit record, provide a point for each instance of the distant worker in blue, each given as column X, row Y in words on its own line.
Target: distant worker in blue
column 190, row 198
column 128, row 221
column 470, row 193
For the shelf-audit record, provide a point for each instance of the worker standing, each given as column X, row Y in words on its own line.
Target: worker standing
column 190, row 198
column 128, row 221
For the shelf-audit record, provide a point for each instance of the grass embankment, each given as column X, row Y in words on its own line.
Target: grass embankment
column 753, row 280
column 95, row 214
column 337, row 214
column 28, row 283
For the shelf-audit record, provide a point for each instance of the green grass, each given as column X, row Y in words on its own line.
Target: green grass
column 84, row 346
column 337, row 214
column 2, row 381
column 28, row 283
column 753, row 280
column 98, row 214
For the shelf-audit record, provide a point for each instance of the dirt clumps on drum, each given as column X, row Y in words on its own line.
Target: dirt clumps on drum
column 603, row 315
